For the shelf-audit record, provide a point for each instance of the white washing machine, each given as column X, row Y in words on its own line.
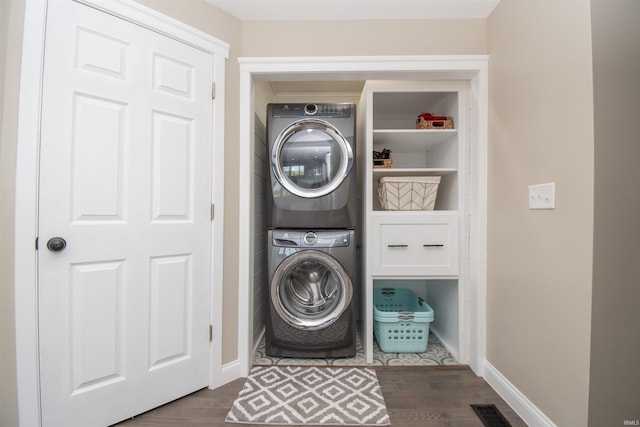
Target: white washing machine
column 312, row 150
column 311, row 300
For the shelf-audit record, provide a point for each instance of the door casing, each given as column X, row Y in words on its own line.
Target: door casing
column 470, row 68
column 26, row 223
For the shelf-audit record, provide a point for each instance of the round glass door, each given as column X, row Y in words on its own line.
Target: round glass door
column 310, row 290
column 311, row 158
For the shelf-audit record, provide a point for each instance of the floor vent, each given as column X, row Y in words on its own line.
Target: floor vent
column 490, row 416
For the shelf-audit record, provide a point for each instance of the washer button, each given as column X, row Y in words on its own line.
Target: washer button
column 311, row 238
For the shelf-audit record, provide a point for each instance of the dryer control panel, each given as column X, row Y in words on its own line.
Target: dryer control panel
column 315, row 110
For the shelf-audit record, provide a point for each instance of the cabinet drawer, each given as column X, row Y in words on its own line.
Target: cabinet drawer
column 415, row 245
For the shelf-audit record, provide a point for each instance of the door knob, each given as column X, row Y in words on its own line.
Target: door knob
column 56, row 244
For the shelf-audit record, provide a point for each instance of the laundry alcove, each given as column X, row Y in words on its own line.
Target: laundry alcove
column 341, row 73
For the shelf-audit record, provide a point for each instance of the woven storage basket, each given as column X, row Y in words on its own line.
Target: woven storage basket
column 382, row 163
column 408, row 193
column 434, row 124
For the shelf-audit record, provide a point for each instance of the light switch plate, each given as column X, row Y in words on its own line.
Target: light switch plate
column 542, row 196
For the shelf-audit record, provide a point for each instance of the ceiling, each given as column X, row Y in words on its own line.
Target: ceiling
column 313, row 10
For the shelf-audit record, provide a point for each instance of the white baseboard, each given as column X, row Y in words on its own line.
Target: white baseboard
column 529, row 412
column 448, row 345
column 229, row 372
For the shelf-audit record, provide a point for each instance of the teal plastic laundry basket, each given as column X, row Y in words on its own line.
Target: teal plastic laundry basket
column 401, row 321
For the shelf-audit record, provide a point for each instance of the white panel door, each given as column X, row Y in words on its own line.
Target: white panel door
column 125, row 180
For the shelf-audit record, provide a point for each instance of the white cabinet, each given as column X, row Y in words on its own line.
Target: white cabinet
column 424, row 246
column 405, row 244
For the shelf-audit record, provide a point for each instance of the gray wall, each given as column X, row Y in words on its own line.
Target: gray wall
column 408, row 37
column 540, row 261
column 260, row 276
column 4, row 35
column 614, row 392
column 11, row 23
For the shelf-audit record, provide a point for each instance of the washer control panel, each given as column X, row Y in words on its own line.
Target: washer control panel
column 311, row 239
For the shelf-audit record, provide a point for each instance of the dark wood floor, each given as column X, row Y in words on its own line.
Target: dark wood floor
column 425, row 397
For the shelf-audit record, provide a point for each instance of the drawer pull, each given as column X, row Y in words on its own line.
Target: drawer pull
column 397, row 246
column 435, row 245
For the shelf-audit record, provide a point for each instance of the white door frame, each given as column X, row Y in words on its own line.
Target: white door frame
column 26, row 222
column 473, row 68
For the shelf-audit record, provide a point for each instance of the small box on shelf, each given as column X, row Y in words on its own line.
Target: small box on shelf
column 383, row 163
column 382, row 159
column 427, row 120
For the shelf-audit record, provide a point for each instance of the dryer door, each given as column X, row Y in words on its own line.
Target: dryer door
column 310, row 290
column 310, row 158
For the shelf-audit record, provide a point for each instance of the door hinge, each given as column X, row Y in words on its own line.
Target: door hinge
column 210, row 333
column 213, row 90
column 212, row 211
column 36, row 243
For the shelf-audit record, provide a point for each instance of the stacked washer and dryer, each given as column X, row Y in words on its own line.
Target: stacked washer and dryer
column 311, row 216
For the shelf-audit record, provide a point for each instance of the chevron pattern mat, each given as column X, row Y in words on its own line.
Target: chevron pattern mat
column 310, row 396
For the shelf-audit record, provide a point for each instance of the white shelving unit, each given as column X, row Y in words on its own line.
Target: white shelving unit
column 420, row 250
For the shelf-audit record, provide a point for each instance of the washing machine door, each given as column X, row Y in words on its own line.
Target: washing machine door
column 311, row 158
column 310, row 290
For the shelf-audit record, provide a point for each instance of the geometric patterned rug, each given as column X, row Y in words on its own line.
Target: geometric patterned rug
column 294, row 395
